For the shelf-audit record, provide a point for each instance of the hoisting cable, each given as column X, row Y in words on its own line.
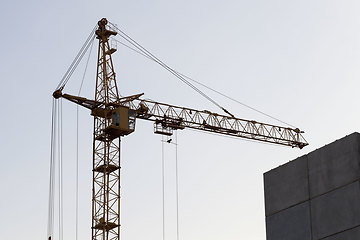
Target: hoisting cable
column 161, row 63
column 77, row 60
column 169, row 141
column 207, row 87
column 77, row 149
column 56, row 153
column 60, row 170
column 177, row 186
column 163, row 186
column 50, row 228
column 56, row 163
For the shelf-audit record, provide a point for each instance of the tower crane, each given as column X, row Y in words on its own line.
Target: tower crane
column 115, row 117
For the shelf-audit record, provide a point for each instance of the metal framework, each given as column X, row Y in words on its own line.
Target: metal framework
column 166, row 118
column 106, row 154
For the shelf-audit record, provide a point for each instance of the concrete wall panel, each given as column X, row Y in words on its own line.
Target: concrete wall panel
column 336, row 211
column 286, row 186
column 290, row 224
column 316, row 196
column 334, row 165
column 351, row 234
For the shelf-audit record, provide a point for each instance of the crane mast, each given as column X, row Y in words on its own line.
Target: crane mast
column 115, row 117
column 106, row 150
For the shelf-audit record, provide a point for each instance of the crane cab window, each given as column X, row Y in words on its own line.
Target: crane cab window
column 116, row 119
column 132, row 116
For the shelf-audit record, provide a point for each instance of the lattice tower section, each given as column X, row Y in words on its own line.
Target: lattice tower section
column 106, row 155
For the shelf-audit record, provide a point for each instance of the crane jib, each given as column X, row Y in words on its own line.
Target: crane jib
column 168, row 118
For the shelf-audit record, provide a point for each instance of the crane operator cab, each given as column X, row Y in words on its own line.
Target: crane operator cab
column 122, row 122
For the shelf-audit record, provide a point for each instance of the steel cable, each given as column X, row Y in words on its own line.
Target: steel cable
column 77, row 63
column 161, row 63
column 77, row 59
column 51, row 173
column 177, row 187
column 77, row 149
column 207, row 87
column 60, row 170
column 163, row 186
column 56, row 163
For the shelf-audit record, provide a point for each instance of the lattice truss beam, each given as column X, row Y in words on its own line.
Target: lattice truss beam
column 168, row 117
column 106, row 150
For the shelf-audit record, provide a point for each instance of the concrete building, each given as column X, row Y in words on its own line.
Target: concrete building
column 316, row 196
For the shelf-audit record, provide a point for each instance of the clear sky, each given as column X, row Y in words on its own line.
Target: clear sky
column 296, row 60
